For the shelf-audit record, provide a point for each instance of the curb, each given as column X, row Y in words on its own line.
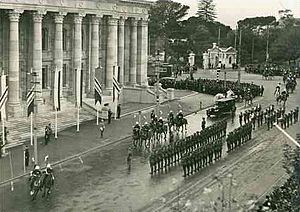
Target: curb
column 70, row 158
column 73, row 157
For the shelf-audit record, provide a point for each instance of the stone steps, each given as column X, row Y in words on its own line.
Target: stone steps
column 19, row 128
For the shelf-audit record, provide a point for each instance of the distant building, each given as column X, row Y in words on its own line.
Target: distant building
column 225, row 56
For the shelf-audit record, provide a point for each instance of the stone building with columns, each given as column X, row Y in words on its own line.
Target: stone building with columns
column 92, row 35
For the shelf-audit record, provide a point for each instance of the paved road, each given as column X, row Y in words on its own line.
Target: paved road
column 103, row 183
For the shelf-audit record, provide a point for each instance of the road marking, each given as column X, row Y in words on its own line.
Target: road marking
column 287, row 135
column 81, row 161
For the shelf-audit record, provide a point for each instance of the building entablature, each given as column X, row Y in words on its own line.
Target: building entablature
column 123, row 8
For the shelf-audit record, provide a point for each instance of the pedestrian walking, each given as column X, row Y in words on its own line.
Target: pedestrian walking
column 118, row 111
column 203, row 123
column 26, row 156
column 109, row 116
column 101, row 128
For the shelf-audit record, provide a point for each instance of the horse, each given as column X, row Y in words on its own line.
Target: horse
column 35, row 183
column 180, row 123
column 136, row 137
column 248, row 99
column 47, row 183
column 290, row 85
column 162, row 131
column 145, row 136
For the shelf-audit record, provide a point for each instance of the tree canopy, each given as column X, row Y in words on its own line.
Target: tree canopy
column 206, row 10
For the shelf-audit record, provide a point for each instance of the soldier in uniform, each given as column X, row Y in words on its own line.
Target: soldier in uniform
column 184, row 166
column 203, row 123
column 152, row 163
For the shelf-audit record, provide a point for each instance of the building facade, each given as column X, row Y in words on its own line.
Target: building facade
column 226, row 57
column 96, row 36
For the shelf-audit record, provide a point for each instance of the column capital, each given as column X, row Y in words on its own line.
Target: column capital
column 38, row 16
column 59, row 17
column 143, row 22
column 121, row 22
column 133, row 22
column 78, row 18
column 14, row 15
column 111, row 21
column 95, row 19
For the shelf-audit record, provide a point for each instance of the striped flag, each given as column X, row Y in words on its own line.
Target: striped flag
column 57, row 78
column 30, row 101
column 116, row 89
column 98, row 91
column 79, row 84
column 4, row 97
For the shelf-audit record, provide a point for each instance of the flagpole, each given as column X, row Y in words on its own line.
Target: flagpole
column 3, row 135
column 31, row 129
column 55, row 124
column 97, row 117
column 78, row 118
column 116, row 105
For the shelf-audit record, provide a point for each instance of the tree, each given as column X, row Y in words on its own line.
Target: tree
column 164, row 23
column 206, row 10
column 286, row 46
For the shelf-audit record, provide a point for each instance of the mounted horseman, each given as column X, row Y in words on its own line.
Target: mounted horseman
column 136, row 134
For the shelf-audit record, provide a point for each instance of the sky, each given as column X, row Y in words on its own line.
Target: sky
column 231, row 11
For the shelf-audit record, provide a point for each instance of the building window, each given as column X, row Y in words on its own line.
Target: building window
column 65, row 39
column 45, row 39
column 64, row 75
column 45, row 78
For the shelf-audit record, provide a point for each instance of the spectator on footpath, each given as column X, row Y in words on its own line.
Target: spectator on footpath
column 46, row 135
column 241, row 118
column 26, row 156
column 203, row 123
column 118, row 111
column 109, row 116
column 101, row 128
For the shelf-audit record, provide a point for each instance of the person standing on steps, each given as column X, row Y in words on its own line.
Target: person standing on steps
column 109, row 116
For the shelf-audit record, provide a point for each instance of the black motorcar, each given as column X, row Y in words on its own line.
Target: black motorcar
column 222, row 106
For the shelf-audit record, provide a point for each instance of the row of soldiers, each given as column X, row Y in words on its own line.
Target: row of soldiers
column 289, row 118
column 214, row 87
column 168, row 155
column 192, row 162
column 239, row 136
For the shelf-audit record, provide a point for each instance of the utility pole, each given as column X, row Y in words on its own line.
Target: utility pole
column 240, row 55
column 157, row 81
column 267, row 48
column 219, row 36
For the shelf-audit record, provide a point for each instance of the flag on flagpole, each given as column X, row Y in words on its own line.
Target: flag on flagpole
column 79, row 84
column 57, row 78
column 3, row 98
column 98, row 91
column 30, row 101
column 116, row 89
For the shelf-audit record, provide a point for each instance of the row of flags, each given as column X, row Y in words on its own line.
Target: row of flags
column 57, row 86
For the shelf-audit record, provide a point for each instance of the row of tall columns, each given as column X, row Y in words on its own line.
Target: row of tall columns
column 127, row 45
column 133, row 52
column 13, row 63
column 112, row 51
column 58, row 43
column 94, row 51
